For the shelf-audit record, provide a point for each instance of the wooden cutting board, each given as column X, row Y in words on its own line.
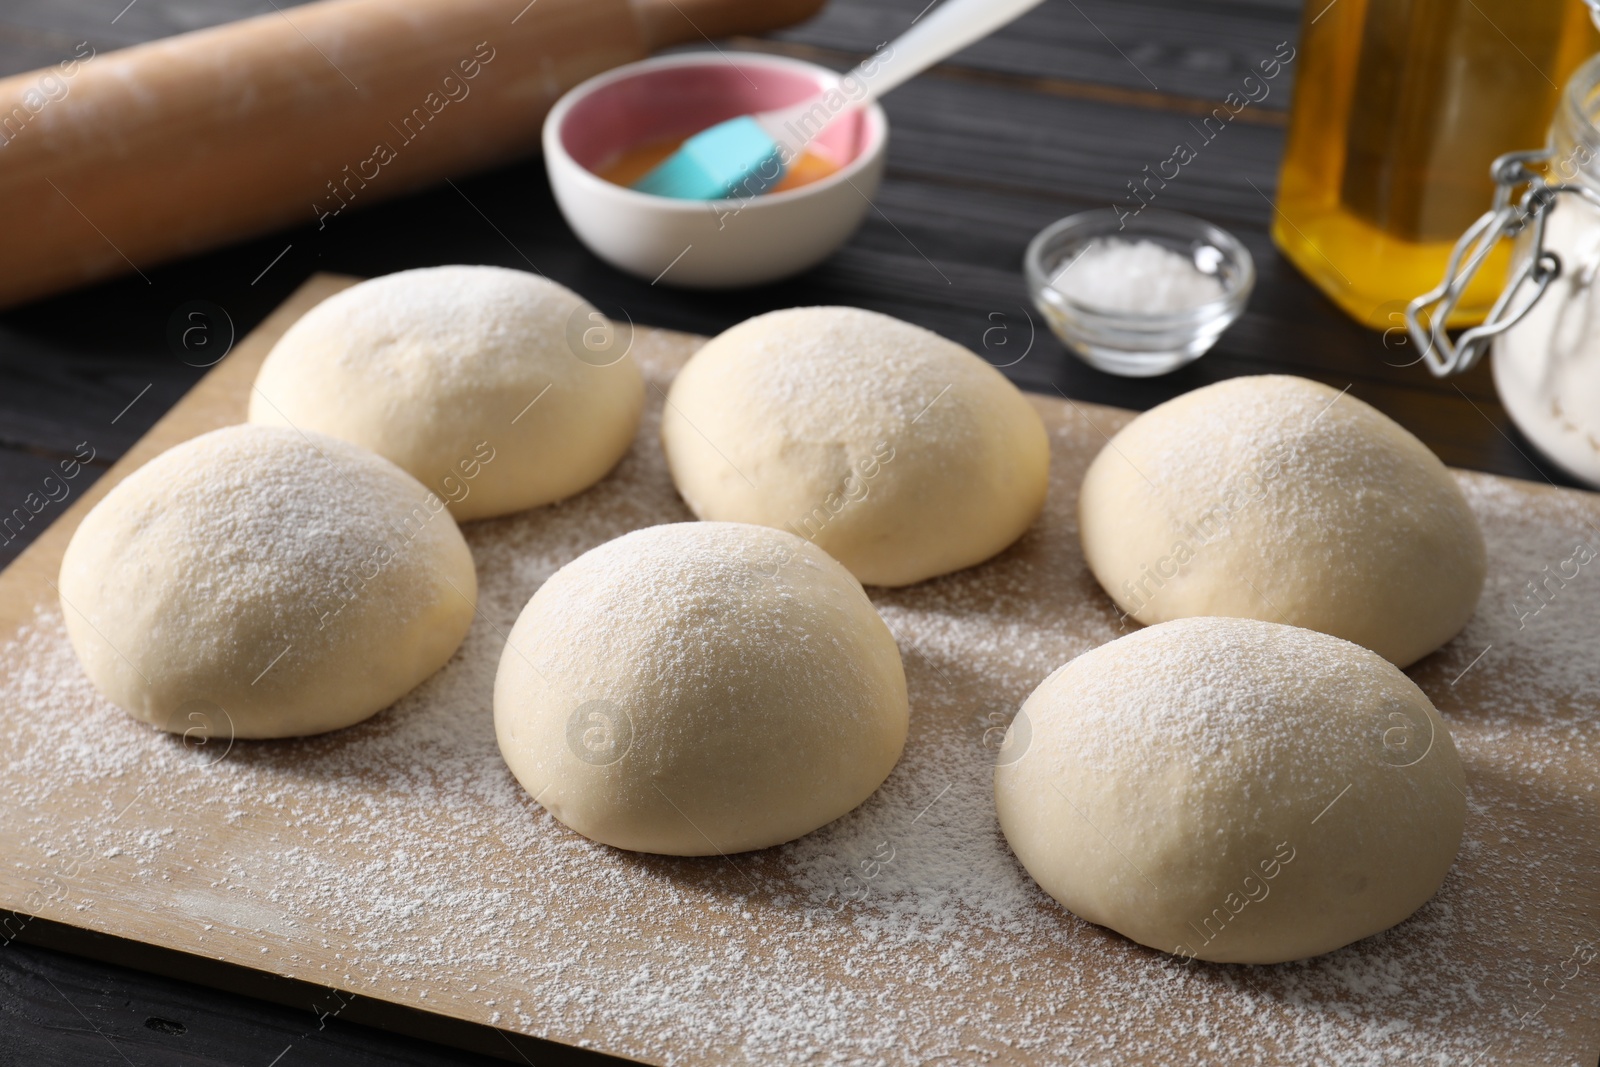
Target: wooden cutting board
column 397, row 864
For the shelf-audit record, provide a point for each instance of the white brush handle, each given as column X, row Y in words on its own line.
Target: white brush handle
column 949, row 28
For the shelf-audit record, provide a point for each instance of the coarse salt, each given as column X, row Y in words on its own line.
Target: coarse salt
column 1113, row 274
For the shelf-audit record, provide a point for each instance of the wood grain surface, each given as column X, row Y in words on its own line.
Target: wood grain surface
column 1499, row 927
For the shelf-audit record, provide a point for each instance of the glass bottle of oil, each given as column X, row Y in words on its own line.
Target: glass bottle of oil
column 1399, row 108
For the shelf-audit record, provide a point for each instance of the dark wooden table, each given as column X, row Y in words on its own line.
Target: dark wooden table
column 1051, row 116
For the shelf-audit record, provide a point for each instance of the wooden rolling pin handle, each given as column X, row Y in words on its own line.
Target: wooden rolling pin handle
column 114, row 163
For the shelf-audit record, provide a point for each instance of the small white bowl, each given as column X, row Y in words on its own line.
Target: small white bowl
column 707, row 244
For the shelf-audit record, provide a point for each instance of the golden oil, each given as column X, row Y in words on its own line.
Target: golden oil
column 1399, row 108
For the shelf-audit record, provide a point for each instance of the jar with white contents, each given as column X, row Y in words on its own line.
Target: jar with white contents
column 1544, row 330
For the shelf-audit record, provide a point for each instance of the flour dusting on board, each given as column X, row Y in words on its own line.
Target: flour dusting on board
column 400, row 858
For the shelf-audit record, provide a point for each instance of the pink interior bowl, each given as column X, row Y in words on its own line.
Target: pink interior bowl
column 708, row 244
column 676, row 101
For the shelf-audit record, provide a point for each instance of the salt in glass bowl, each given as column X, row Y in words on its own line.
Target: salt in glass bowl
column 1139, row 344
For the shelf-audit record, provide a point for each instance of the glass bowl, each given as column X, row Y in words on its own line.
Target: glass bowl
column 1139, row 344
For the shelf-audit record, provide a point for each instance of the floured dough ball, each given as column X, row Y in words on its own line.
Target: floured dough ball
column 265, row 583
column 1233, row 790
column 1281, row 499
column 497, row 389
column 899, row 453
column 700, row 688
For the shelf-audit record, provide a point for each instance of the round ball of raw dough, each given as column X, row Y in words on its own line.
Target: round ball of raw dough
column 700, row 688
column 497, row 389
column 1281, row 499
column 1234, row 790
column 899, row 453
column 265, row 582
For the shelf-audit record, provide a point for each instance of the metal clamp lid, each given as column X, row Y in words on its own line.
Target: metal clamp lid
column 1427, row 315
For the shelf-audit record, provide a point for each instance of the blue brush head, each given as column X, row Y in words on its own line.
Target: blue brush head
column 731, row 159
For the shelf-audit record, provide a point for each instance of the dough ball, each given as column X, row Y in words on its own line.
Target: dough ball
column 1281, row 499
column 899, row 453
column 700, row 688
column 1233, row 790
column 265, row 582
column 497, row 389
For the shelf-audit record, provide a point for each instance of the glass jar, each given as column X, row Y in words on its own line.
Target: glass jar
column 1544, row 326
column 1547, row 366
column 1399, row 108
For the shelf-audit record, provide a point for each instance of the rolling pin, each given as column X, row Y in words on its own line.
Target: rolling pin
column 116, row 162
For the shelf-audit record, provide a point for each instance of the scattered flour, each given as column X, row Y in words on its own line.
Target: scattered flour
column 400, row 859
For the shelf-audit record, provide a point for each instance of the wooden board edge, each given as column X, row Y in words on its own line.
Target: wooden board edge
column 212, row 403
column 231, row 977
